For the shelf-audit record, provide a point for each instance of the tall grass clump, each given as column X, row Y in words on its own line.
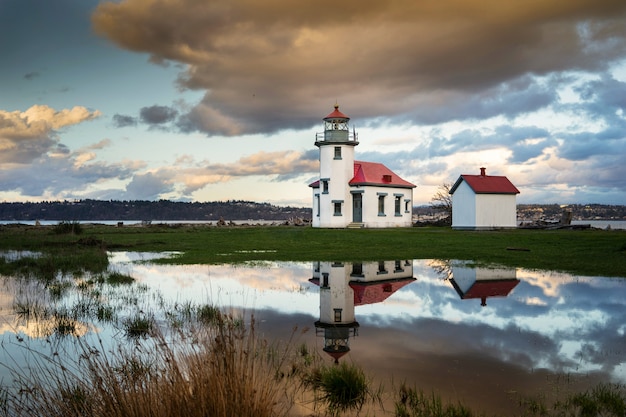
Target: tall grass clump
column 220, row 371
column 341, row 387
column 415, row 403
column 605, row 400
column 67, row 227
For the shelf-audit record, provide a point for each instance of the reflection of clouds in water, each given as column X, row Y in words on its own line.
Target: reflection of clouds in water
column 285, row 288
column 13, row 255
column 24, row 311
column 550, row 320
column 127, row 257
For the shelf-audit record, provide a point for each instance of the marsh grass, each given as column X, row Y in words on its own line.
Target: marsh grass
column 416, row 403
column 117, row 278
column 585, row 252
column 68, row 227
column 225, row 370
column 341, row 387
column 603, row 400
column 139, row 325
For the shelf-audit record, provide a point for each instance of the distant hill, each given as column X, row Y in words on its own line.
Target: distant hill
column 162, row 210
column 149, row 210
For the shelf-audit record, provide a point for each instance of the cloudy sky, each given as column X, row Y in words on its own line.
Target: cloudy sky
column 206, row 100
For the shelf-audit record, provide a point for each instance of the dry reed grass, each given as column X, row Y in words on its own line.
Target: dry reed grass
column 219, row 370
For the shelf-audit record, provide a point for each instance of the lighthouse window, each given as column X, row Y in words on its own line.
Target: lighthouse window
column 337, row 315
column 337, row 152
column 325, row 186
column 406, row 205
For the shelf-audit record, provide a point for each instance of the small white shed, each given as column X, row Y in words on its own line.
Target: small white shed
column 483, row 202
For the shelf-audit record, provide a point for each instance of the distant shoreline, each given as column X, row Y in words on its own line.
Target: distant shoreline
column 596, row 223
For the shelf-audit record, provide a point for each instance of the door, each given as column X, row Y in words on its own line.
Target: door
column 357, row 207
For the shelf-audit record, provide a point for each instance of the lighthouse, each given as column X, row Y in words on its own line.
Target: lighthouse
column 336, row 154
column 351, row 193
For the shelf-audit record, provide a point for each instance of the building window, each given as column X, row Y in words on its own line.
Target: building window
column 337, row 315
column 381, row 268
column 317, row 205
column 357, row 270
column 337, row 207
column 337, row 152
column 324, row 185
column 397, row 205
column 407, row 206
column 324, row 279
column 381, row 203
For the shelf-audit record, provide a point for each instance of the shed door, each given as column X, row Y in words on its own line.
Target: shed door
column 357, row 207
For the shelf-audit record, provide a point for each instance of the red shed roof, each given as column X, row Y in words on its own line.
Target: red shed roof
column 487, row 288
column 373, row 173
column 486, row 184
column 336, row 114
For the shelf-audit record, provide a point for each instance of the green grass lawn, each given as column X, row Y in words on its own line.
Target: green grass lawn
column 585, row 252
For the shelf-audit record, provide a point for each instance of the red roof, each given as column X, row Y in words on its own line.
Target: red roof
column 372, row 293
column 486, row 184
column 487, row 288
column 373, row 173
column 491, row 288
column 336, row 114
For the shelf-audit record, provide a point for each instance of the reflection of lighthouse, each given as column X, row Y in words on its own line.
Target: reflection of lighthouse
column 336, row 321
column 346, row 285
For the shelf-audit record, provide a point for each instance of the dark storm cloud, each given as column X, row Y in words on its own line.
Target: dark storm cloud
column 157, row 115
column 60, row 176
column 120, row 120
column 148, row 186
column 270, row 66
column 31, row 75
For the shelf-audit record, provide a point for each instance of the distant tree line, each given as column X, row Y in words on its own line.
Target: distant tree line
column 579, row 211
column 441, row 204
column 149, row 210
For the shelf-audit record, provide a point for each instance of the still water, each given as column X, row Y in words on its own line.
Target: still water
column 482, row 336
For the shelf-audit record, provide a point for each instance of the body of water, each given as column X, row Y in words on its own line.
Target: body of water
column 486, row 337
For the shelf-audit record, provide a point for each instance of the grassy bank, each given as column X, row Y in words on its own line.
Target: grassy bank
column 585, row 252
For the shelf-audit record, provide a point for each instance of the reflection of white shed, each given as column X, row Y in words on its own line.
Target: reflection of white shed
column 483, row 202
column 483, row 283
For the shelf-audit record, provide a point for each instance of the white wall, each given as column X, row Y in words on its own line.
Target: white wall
column 371, row 216
column 496, row 210
column 463, row 207
column 338, row 294
column 339, row 171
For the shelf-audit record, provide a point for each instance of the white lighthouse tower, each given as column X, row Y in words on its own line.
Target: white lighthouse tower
column 332, row 201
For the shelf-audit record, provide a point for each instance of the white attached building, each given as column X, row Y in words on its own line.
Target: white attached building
column 353, row 193
column 483, row 202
